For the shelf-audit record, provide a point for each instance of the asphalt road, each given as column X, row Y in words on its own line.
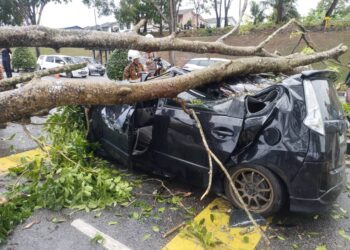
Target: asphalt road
column 286, row 231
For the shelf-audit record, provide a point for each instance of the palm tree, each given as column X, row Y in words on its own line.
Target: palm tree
column 283, row 10
column 257, row 11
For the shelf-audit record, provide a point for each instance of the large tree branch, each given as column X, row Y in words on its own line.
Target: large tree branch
column 10, row 83
column 38, row 95
column 138, row 26
column 39, row 36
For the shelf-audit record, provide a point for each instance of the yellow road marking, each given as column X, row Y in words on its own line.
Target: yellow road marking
column 15, row 159
column 230, row 237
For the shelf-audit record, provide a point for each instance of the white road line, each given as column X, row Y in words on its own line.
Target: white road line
column 108, row 243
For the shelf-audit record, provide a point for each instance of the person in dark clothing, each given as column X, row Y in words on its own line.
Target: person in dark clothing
column 347, row 79
column 6, row 61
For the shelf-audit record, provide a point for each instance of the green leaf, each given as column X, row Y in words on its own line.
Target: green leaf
column 112, row 223
column 161, row 210
column 295, row 246
column 58, row 220
column 280, row 237
column 155, row 228
column 98, row 239
column 343, row 234
column 98, row 215
column 245, row 239
column 321, row 247
column 201, row 222
column 212, row 217
column 146, row 237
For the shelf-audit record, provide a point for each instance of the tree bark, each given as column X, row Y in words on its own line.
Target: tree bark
column 10, row 83
column 38, row 36
column 39, row 95
column 330, row 10
column 279, row 11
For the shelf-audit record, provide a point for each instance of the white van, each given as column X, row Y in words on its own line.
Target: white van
column 52, row 61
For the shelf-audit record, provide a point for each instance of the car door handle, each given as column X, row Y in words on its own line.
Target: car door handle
column 221, row 133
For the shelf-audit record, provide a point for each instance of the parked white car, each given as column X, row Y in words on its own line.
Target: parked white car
column 52, row 61
column 200, row 63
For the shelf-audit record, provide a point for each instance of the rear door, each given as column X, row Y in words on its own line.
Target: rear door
column 176, row 139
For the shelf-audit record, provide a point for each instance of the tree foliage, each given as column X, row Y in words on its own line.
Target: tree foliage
column 116, row 64
column 257, row 11
column 9, row 14
column 132, row 11
column 341, row 11
column 103, row 7
column 68, row 176
column 23, row 59
column 283, row 10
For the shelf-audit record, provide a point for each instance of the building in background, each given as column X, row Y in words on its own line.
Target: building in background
column 187, row 18
column 211, row 22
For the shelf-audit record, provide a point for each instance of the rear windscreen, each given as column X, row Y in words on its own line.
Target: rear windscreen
column 328, row 101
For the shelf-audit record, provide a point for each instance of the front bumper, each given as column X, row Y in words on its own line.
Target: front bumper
column 326, row 198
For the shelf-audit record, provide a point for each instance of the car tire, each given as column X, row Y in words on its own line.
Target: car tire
column 102, row 74
column 90, row 73
column 83, row 76
column 262, row 192
column 69, row 74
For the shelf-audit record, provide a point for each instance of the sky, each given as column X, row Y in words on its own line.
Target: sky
column 76, row 13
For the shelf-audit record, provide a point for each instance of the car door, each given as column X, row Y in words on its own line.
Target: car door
column 177, row 144
column 49, row 62
column 111, row 128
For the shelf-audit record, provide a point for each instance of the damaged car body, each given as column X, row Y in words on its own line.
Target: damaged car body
column 283, row 144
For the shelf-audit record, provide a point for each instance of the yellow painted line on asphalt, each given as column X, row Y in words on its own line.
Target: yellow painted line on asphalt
column 231, row 238
column 15, row 159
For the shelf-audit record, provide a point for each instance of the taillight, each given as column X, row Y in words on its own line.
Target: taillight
column 313, row 119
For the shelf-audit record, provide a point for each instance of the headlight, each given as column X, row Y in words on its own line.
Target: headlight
column 313, row 119
column 92, row 67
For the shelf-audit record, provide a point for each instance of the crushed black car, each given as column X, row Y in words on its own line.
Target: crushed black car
column 283, row 144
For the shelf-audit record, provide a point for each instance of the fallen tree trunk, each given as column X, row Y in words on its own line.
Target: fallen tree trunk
column 39, row 94
column 38, row 36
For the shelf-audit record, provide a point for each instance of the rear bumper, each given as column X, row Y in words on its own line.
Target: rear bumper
column 97, row 71
column 325, row 200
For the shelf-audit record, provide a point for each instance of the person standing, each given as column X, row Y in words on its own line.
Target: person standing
column 133, row 71
column 6, row 61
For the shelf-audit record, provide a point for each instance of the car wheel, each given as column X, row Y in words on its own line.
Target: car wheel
column 69, row 74
column 89, row 73
column 83, row 76
column 102, row 74
column 261, row 191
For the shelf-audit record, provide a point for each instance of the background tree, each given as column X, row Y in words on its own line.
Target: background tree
column 23, row 59
column 132, row 11
column 283, row 10
column 31, row 11
column 337, row 9
column 200, row 7
column 103, row 7
column 217, row 6
column 9, row 15
column 257, row 11
column 116, row 64
column 227, row 6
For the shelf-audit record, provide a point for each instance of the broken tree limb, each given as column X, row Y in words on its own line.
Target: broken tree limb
column 10, row 83
column 39, row 36
column 39, row 94
column 138, row 26
column 227, row 175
